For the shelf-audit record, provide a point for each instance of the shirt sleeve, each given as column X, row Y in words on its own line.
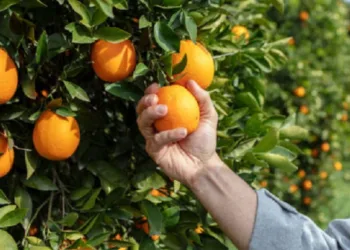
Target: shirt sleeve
column 278, row 226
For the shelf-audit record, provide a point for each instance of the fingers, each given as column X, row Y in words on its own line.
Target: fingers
column 146, row 101
column 166, row 137
column 203, row 98
column 152, row 89
column 148, row 117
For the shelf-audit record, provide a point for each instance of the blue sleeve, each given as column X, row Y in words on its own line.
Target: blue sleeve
column 278, row 226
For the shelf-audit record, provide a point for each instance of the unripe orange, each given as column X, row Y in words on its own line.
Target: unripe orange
column 7, row 156
column 55, row 137
column 8, row 77
column 113, row 61
column 199, row 67
column 183, row 109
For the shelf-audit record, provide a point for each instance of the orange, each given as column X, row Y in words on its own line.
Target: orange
column 304, row 109
column 291, row 41
column 45, row 93
column 199, row 67
column 183, row 109
column 301, row 173
column 307, row 185
column 33, row 231
column 155, row 237
column 325, row 147
column 263, row 184
column 159, row 193
column 323, row 175
column 7, row 156
column 8, row 77
column 113, row 61
column 199, row 229
column 345, row 105
column 314, row 153
column 304, row 16
column 338, row 166
column 55, row 137
column 240, row 31
column 307, row 201
column 293, row 188
column 344, row 117
column 299, row 91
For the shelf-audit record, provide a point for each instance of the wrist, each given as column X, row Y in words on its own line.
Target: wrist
column 208, row 169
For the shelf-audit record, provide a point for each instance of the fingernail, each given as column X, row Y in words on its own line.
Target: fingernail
column 149, row 100
column 183, row 132
column 161, row 109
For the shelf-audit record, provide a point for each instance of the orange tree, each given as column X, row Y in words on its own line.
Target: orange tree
column 79, row 174
column 314, row 84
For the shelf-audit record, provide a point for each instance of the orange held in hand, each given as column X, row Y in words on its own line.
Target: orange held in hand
column 8, row 77
column 55, row 137
column 183, row 109
column 199, row 67
column 240, row 31
column 113, row 61
column 7, row 156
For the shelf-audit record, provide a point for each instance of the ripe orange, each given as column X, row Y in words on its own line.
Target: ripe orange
column 299, row 91
column 325, row 147
column 304, row 109
column 307, row 201
column 113, row 61
column 301, row 173
column 7, row 156
column 345, row 105
column 183, row 109
column 291, row 41
column 304, row 16
column 159, row 193
column 263, row 184
column 338, row 166
column 56, row 138
column 155, row 237
column 33, row 231
column 240, row 31
column 323, row 175
column 307, row 185
column 293, row 188
column 199, row 67
column 314, row 153
column 344, row 117
column 199, row 229
column 45, row 93
column 8, row 77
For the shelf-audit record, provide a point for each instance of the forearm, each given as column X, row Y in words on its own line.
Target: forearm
column 230, row 201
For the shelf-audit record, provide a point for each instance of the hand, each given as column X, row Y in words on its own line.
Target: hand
column 181, row 156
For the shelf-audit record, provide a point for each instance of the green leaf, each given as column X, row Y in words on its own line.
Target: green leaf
column 178, row 68
column 65, row 112
column 166, row 37
column 284, row 152
column 279, row 5
column 5, row 4
column 112, row 34
column 248, row 99
column 294, row 132
column 32, row 161
column 278, row 161
column 145, row 181
column 268, row 142
column 191, row 27
column 90, row 203
column 76, row 92
column 242, row 148
column 144, row 23
column 13, row 218
column 82, row 10
column 147, row 244
column 24, row 200
column 171, row 216
column 69, row 220
column 154, row 217
column 41, row 183
column 79, row 193
column 121, row 4
column 98, row 17
column 6, row 209
column 33, row 4
column 99, row 239
column 28, row 87
column 3, row 199
column 81, row 34
column 42, row 48
column 141, row 70
column 89, row 224
column 6, row 241
column 125, row 91
column 106, row 6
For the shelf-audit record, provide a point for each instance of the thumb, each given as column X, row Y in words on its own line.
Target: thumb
column 203, row 98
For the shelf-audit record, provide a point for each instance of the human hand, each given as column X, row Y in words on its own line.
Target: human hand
column 181, row 156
